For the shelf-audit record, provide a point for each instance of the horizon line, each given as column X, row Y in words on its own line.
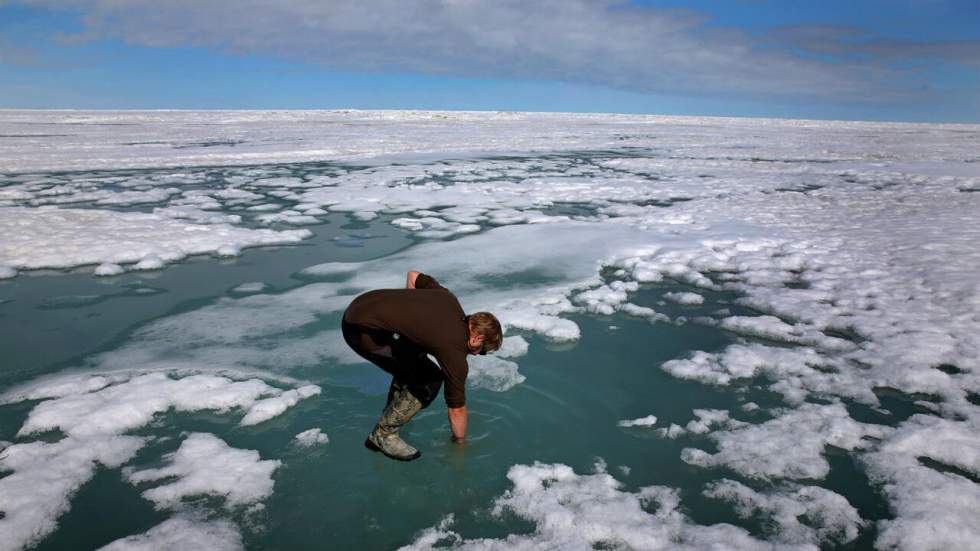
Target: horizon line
column 410, row 109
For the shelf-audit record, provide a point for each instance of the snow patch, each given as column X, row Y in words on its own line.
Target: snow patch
column 206, row 465
column 182, row 534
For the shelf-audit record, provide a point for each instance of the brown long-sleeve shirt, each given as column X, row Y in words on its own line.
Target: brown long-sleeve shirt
column 430, row 316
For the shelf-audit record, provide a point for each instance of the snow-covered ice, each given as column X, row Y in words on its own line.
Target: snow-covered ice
column 64, row 238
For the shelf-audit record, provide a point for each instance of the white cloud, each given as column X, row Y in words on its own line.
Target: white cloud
column 603, row 42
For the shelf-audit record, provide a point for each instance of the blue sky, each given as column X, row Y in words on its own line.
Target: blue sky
column 913, row 60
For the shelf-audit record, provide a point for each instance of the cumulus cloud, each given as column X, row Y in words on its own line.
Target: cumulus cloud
column 605, row 42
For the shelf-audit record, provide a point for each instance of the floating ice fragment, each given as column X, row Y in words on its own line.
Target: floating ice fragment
column 151, row 262
column 647, row 421
column 493, row 373
column 108, row 269
column 365, row 215
column 331, row 268
column 512, row 347
column 229, row 250
column 685, row 298
column 642, row 312
column 266, row 409
column 310, row 438
column 250, row 287
column 769, row 327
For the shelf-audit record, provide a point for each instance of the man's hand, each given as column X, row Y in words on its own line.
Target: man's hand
column 410, row 280
column 457, row 422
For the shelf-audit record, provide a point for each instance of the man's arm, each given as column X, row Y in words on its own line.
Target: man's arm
column 410, row 280
column 457, row 422
column 455, row 369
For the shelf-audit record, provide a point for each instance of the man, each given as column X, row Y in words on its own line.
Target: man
column 396, row 329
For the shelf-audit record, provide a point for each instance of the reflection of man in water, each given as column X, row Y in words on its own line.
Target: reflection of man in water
column 396, row 329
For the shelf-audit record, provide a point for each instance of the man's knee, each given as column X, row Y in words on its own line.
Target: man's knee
column 427, row 392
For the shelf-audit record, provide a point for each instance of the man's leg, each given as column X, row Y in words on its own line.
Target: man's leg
column 379, row 349
column 420, row 387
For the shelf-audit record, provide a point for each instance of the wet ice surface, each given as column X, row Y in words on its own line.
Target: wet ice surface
column 747, row 333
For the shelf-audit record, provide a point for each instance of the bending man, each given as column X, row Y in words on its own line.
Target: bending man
column 396, row 329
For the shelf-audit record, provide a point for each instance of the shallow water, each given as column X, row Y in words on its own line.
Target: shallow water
column 565, row 412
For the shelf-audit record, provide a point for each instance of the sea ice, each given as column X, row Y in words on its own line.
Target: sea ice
column 853, row 243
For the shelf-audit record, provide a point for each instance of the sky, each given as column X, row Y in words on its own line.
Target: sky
column 903, row 60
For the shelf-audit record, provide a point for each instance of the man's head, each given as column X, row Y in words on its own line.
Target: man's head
column 485, row 333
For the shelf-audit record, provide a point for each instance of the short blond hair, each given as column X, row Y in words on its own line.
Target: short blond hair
column 486, row 324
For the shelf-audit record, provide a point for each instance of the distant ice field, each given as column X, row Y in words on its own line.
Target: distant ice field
column 720, row 333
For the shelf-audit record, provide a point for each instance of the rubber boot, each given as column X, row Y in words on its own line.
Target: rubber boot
column 384, row 438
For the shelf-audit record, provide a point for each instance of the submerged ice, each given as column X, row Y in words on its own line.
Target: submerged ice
column 850, row 262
